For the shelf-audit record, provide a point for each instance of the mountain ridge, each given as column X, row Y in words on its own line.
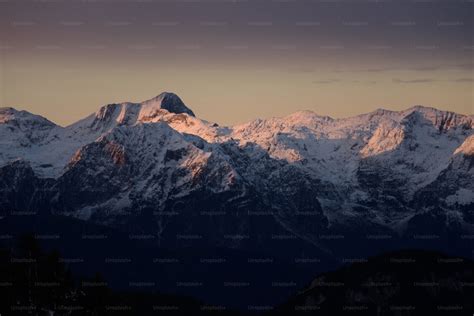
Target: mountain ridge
column 420, row 108
column 312, row 175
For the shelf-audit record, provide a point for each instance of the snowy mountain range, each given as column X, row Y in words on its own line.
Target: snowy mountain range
column 155, row 167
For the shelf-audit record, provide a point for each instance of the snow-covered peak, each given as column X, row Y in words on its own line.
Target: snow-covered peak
column 22, row 134
column 128, row 113
column 21, row 128
column 306, row 118
column 166, row 100
column 112, row 115
column 442, row 120
column 21, row 118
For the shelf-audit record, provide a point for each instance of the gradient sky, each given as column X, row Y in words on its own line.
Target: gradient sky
column 235, row 60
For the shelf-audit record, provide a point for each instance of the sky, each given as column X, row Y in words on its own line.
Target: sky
column 235, row 60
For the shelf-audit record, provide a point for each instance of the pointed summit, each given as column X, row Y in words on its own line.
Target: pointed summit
column 23, row 118
column 168, row 101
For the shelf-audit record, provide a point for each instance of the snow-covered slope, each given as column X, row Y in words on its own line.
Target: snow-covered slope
column 23, row 136
column 373, row 170
column 421, row 139
column 49, row 147
column 130, row 167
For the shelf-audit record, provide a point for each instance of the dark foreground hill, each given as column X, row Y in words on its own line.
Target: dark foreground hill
column 38, row 282
column 411, row 282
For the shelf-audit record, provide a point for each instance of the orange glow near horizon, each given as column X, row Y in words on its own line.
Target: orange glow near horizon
column 230, row 95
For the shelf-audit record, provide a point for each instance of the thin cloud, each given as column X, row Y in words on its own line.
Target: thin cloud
column 327, row 81
column 368, row 82
column 465, row 66
column 427, row 68
column 464, row 80
column 382, row 69
column 423, row 80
